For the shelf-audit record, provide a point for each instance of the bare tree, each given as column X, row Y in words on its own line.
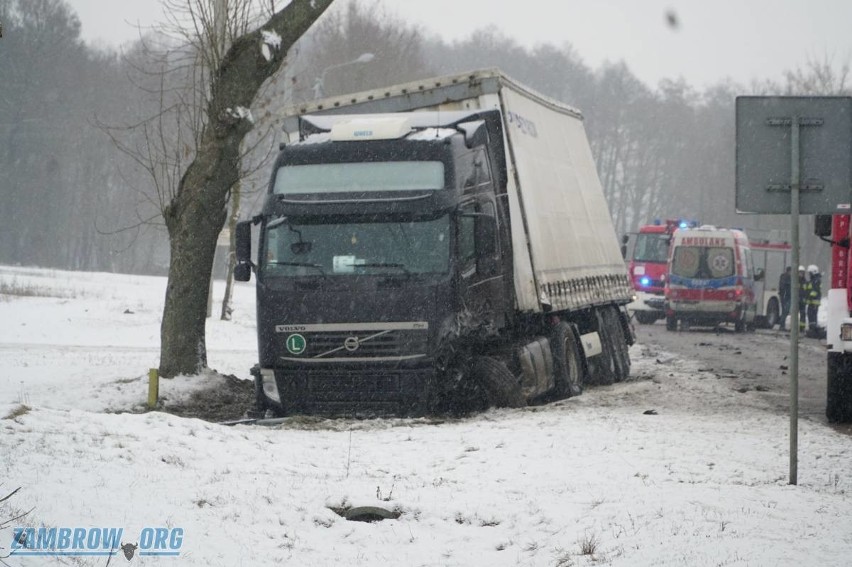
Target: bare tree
column 818, row 77
column 358, row 46
column 195, row 214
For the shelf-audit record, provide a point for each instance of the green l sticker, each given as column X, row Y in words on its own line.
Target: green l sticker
column 296, row 343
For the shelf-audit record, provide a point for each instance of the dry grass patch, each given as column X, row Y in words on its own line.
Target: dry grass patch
column 22, row 409
column 14, row 288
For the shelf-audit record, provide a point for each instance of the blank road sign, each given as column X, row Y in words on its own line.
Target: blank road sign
column 763, row 163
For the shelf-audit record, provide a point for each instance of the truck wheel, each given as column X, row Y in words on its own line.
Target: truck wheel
column 838, row 403
column 645, row 317
column 615, row 333
column 602, row 368
column 567, row 360
column 501, row 387
column 740, row 326
column 773, row 313
column 671, row 323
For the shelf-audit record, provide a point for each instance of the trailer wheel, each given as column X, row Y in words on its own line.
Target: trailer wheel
column 567, row 360
column 838, row 403
column 603, row 368
column 501, row 387
column 615, row 332
column 671, row 323
column 645, row 317
column 773, row 313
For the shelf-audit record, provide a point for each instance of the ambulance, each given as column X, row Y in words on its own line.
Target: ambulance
column 711, row 279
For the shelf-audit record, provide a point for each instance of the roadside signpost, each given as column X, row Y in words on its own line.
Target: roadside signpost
column 794, row 156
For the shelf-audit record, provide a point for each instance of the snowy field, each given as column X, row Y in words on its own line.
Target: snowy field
column 592, row 480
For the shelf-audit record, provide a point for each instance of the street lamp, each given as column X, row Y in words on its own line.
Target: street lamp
column 320, row 82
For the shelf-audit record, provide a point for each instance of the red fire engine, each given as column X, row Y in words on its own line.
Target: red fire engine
column 839, row 321
column 648, row 267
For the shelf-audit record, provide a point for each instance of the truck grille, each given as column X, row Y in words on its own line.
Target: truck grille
column 358, row 392
column 361, row 344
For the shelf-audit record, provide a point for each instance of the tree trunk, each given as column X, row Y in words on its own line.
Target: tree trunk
column 197, row 213
column 232, row 253
column 193, row 230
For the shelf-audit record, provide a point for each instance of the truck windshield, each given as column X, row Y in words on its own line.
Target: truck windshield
column 401, row 248
column 701, row 262
column 651, row 248
column 361, row 176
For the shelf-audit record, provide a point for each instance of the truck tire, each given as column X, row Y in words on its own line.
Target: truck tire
column 567, row 360
column 615, row 332
column 838, row 403
column 773, row 314
column 671, row 323
column 501, row 387
column 603, row 368
column 645, row 317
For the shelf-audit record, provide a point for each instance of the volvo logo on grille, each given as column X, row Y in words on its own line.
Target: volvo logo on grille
column 351, row 344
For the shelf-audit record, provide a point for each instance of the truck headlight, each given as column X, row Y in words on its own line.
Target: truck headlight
column 270, row 387
column 846, row 332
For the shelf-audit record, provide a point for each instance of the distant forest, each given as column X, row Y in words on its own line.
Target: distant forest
column 80, row 128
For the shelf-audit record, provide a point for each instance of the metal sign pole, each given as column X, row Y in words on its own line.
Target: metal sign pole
column 818, row 176
column 794, row 300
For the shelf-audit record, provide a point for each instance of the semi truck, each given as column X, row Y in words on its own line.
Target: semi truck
column 430, row 246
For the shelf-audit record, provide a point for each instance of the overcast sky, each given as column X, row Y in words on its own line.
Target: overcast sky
column 740, row 39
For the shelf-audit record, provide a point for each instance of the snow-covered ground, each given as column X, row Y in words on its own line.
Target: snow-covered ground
column 592, row 480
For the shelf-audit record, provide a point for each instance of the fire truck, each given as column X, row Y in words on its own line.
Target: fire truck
column 648, row 267
column 770, row 258
column 835, row 229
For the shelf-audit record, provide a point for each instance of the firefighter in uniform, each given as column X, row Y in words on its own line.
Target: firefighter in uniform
column 813, row 296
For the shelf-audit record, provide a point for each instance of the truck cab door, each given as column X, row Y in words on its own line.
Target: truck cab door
column 482, row 289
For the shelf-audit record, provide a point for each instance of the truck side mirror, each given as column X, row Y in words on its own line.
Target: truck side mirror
column 822, row 225
column 243, row 242
column 242, row 271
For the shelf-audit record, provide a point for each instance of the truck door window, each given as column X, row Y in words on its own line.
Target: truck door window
column 467, row 238
column 487, row 208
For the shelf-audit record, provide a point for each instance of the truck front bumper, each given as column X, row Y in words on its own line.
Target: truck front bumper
column 348, row 390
